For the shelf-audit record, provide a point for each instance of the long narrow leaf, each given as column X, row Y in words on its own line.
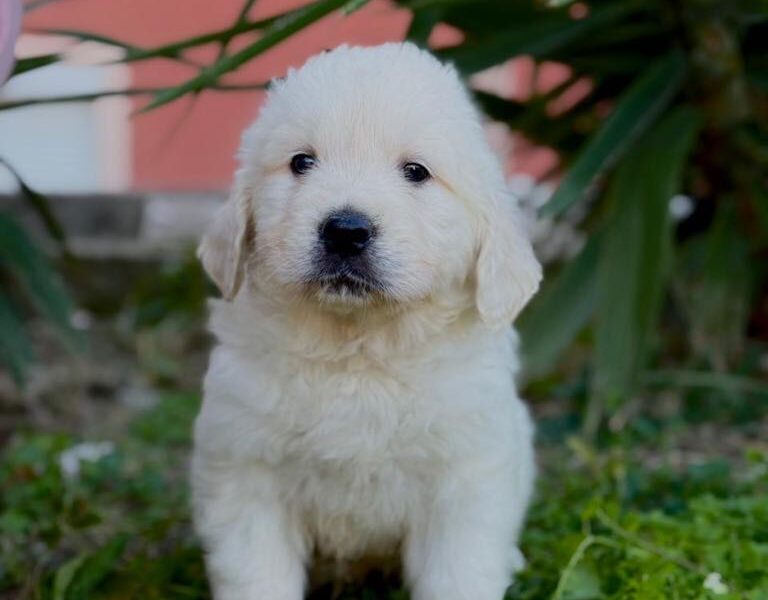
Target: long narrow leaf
column 532, row 37
column 131, row 50
column 723, row 382
column 15, row 348
column 280, row 30
column 421, row 26
column 39, row 204
column 560, row 311
column 34, row 62
column 637, row 110
column 91, row 96
column 353, row 6
column 175, row 49
column 634, row 259
column 89, row 574
column 242, row 18
column 717, row 287
column 485, row 19
column 21, row 257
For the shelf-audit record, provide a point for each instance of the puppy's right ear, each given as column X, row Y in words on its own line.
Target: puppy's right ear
column 227, row 242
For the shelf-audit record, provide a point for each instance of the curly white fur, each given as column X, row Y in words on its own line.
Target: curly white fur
column 345, row 427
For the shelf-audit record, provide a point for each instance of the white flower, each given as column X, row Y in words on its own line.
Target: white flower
column 70, row 459
column 714, row 583
column 680, row 207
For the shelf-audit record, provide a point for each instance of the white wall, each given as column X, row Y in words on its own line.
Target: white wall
column 67, row 148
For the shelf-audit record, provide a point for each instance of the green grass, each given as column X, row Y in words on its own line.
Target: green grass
column 602, row 526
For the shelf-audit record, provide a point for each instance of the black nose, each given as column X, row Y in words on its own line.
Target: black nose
column 346, row 233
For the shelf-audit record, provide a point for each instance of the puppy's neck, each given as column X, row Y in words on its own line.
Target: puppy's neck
column 300, row 327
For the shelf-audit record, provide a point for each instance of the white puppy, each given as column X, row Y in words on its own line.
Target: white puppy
column 361, row 399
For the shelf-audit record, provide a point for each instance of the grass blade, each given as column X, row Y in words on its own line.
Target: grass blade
column 637, row 110
column 634, row 258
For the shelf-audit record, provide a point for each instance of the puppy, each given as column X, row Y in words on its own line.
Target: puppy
column 361, row 399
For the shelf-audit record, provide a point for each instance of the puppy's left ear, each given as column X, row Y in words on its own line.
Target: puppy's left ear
column 227, row 242
column 508, row 273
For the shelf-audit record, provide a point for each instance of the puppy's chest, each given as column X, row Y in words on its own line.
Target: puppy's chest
column 339, row 415
column 355, row 458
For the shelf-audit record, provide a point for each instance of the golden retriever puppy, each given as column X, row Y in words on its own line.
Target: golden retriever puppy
column 361, row 399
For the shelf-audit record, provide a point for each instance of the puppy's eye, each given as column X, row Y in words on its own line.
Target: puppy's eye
column 415, row 173
column 301, row 163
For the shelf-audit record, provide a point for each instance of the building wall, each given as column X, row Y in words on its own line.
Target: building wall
column 190, row 144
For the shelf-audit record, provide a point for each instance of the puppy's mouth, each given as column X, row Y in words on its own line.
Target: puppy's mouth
column 347, row 285
column 342, row 280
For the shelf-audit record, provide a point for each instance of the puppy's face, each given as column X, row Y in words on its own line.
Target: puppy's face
column 367, row 180
column 352, row 203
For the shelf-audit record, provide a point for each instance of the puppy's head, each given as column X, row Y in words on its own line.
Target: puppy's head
column 367, row 180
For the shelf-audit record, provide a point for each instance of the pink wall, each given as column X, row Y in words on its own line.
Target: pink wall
column 190, row 144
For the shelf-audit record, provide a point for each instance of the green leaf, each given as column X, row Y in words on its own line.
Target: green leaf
column 64, row 576
column 716, row 283
column 560, row 310
column 39, row 204
column 81, row 577
column 565, row 132
column 245, row 10
column 724, row 382
column 415, row 5
column 484, row 19
column 637, row 110
column 353, row 6
column 535, row 37
column 174, row 50
column 282, row 28
column 422, row 24
column 583, row 584
column 760, row 206
column 634, row 258
column 22, row 258
column 35, row 62
column 15, row 348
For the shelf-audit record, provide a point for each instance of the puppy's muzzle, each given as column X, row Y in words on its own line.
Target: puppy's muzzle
column 344, row 261
column 346, row 234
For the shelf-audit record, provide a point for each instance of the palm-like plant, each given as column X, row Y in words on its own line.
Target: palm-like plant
column 677, row 103
column 25, row 273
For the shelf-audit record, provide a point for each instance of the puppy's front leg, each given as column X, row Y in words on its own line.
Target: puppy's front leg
column 254, row 549
column 464, row 547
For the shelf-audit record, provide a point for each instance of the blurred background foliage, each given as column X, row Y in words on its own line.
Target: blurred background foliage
column 652, row 331
column 664, row 99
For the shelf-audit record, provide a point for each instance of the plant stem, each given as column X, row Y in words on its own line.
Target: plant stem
column 22, row 102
